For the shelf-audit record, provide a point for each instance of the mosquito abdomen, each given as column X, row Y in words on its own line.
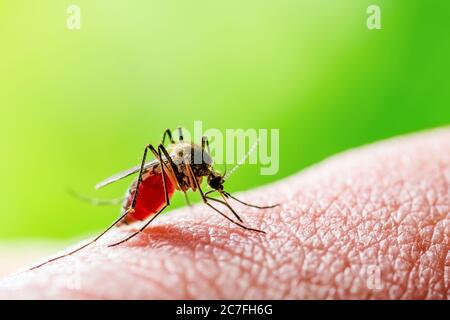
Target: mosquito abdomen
column 151, row 197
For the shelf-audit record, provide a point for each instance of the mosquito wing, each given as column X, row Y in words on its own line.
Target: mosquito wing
column 125, row 174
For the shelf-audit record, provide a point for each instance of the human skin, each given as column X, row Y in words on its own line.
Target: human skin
column 372, row 223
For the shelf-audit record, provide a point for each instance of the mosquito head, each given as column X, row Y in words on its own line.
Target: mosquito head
column 215, row 180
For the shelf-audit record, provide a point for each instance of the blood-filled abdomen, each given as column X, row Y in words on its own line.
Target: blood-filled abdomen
column 151, row 197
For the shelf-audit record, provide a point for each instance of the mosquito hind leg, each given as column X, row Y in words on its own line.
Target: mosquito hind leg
column 205, row 200
column 141, row 229
column 122, row 216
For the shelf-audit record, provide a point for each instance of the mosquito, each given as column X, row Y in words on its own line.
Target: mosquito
column 181, row 166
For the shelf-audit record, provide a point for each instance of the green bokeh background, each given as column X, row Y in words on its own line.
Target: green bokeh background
column 79, row 105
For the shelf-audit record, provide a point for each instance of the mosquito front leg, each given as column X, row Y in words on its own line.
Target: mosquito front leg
column 231, row 220
column 225, row 203
column 124, row 214
column 228, row 195
column 186, row 198
column 205, row 200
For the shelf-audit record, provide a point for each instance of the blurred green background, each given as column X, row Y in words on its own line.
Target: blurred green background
column 79, row 105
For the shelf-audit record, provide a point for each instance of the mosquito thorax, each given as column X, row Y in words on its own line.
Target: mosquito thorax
column 183, row 153
column 191, row 153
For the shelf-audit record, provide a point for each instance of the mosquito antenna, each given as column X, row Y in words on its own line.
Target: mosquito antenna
column 225, row 169
column 241, row 162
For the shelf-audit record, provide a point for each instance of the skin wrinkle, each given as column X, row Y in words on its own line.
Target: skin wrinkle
column 423, row 249
column 138, row 273
column 196, row 243
column 160, row 236
column 385, row 205
column 434, row 266
column 345, row 263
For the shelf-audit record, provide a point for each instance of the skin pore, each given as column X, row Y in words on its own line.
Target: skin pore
column 372, row 223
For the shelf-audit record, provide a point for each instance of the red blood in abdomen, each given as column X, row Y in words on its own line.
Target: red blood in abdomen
column 151, row 197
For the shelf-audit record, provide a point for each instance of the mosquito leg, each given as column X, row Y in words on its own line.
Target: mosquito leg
column 205, row 143
column 163, row 174
column 187, row 199
column 231, row 220
column 174, row 168
column 130, row 209
column 141, row 171
column 85, row 245
column 141, row 229
column 133, row 202
column 169, row 158
column 172, row 165
column 168, row 133
column 227, row 205
column 205, row 200
column 167, row 198
column 180, row 134
column 228, row 195
column 209, row 192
